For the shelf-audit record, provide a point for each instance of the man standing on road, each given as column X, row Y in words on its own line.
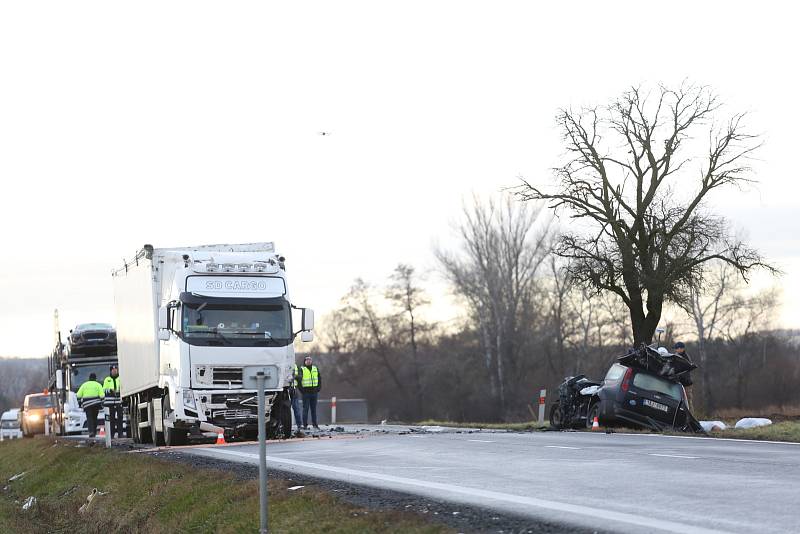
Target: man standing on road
column 113, row 401
column 90, row 397
column 294, row 392
column 310, row 384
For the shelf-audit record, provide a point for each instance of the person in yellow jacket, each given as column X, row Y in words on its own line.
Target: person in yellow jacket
column 113, row 401
column 310, row 384
column 90, row 397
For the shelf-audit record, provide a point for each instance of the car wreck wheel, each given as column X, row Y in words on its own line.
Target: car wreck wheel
column 594, row 411
column 556, row 416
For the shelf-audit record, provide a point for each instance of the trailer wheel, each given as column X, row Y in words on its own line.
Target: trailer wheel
column 145, row 434
column 556, row 416
column 133, row 420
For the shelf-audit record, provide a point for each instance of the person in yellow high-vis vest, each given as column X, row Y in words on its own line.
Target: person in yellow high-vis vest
column 113, row 401
column 310, row 384
column 90, row 397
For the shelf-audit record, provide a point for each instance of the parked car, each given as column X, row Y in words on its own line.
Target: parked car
column 36, row 408
column 642, row 389
column 10, row 425
column 92, row 339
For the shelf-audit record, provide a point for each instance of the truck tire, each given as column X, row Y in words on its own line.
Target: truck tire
column 133, row 420
column 172, row 436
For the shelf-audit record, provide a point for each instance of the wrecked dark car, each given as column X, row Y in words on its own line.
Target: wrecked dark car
column 644, row 388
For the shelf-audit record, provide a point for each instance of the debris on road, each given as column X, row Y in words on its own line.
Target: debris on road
column 17, row 476
column 752, row 422
column 295, row 488
column 708, row 426
column 88, row 502
column 29, row 503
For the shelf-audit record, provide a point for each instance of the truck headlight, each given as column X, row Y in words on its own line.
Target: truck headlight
column 188, row 398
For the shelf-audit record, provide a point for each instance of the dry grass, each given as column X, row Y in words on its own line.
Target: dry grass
column 145, row 494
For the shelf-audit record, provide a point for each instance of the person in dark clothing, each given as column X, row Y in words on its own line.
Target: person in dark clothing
column 90, row 397
column 294, row 392
column 310, row 384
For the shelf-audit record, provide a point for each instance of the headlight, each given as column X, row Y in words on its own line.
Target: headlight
column 188, row 398
column 33, row 417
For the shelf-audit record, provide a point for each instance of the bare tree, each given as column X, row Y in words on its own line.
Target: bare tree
column 409, row 297
column 710, row 307
column 502, row 249
column 645, row 243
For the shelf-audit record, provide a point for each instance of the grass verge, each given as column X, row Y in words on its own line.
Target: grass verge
column 145, row 494
column 783, row 431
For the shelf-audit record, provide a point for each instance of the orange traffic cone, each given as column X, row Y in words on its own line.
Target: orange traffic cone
column 220, row 439
column 595, row 424
column 102, row 433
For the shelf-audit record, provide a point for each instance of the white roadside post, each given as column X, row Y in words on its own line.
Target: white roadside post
column 261, row 378
column 333, row 410
column 107, row 425
column 542, row 400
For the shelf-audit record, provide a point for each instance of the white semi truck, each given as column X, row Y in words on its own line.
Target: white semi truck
column 191, row 321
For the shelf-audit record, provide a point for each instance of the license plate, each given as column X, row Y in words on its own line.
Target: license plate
column 655, row 405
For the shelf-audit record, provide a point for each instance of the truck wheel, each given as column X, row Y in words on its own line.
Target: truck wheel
column 133, row 421
column 172, row 436
column 556, row 416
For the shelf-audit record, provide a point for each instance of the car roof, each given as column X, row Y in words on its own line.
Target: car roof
column 94, row 326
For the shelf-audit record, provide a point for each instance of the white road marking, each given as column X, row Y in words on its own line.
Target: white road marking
column 674, row 456
column 710, row 438
column 561, row 447
column 586, row 511
column 480, row 440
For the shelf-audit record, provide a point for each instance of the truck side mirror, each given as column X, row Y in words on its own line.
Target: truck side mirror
column 162, row 318
column 308, row 319
column 306, row 337
column 163, row 334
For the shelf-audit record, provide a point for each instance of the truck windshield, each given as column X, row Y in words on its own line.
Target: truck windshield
column 80, row 374
column 39, row 401
column 263, row 323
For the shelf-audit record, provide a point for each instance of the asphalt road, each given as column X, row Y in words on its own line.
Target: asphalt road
column 614, row 482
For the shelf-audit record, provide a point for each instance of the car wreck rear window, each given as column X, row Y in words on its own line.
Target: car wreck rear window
column 658, row 385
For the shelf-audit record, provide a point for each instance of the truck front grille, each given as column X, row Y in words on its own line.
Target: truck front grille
column 227, row 375
column 229, row 415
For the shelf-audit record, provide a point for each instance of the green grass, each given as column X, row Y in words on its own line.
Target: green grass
column 146, row 494
column 519, row 427
column 783, row 431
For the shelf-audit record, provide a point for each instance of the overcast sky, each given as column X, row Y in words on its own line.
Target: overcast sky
column 182, row 123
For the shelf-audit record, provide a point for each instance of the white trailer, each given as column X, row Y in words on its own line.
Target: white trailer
column 189, row 321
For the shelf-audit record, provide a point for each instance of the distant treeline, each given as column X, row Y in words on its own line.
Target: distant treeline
column 18, row 377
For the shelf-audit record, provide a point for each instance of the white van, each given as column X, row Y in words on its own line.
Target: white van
column 10, row 425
